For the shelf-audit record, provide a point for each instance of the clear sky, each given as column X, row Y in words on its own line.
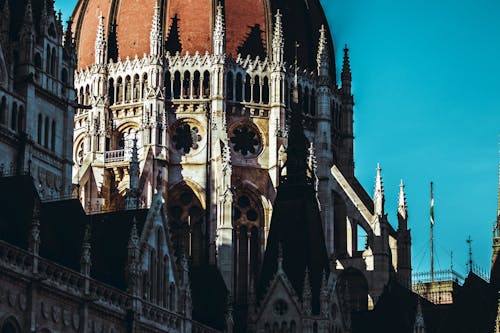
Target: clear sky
column 426, row 80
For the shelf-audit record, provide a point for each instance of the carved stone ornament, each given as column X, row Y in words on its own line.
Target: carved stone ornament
column 11, row 298
column 44, row 309
column 76, row 321
column 23, row 302
column 66, row 315
column 56, row 313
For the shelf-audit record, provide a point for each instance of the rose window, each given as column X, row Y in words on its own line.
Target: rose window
column 245, row 211
column 186, row 137
column 245, row 140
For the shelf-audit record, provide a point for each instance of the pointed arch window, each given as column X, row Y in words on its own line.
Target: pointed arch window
column 248, row 221
column 187, row 221
column 3, row 110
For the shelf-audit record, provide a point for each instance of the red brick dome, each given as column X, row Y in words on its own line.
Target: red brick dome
column 188, row 25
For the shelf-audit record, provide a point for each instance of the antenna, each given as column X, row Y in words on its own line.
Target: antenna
column 432, row 232
column 469, row 242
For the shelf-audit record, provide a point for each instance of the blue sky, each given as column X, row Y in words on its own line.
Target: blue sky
column 425, row 79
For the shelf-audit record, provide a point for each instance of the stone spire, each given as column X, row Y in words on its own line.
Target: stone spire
column 219, row 32
column 278, row 42
column 44, row 18
column 100, row 43
column 85, row 259
column 307, row 294
column 322, row 57
column 402, row 206
column 133, row 260
column 34, row 237
column 156, row 37
column 378, row 195
column 68, row 37
column 346, row 75
column 297, row 150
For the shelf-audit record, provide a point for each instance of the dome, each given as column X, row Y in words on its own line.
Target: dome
column 188, row 25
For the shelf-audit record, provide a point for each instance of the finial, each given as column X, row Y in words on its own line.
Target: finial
column 100, row 43
column 346, row 75
column 402, row 206
column 322, row 56
column 219, row 31
column 28, row 12
column 278, row 42
column 378, row 196
column 156, row 32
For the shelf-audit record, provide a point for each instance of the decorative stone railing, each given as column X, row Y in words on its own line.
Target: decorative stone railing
column 114, row 156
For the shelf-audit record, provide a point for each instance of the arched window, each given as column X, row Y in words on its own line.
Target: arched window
column 229, row 86
column 239, row 87
column 186, row 85
column 177, row 85
column 46, row 133
column 111, row 91
column 47, row 60
column 256, row 89
column 265, row 91
column 53, row 62
column 53, row 136
column 87, row 95
column 248, row 219
column 187, row 221
column 3, row 110
column 40, row 126
column 20, row 119
column 13, row 117
column 119, row 91
column 206, row 84
column 128, row 89
column 248, row 88
column 137, row 88
column 10, row 326
column 196, row 84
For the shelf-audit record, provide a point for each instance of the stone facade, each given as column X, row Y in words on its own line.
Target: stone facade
column 36, row 95
column 211, row 115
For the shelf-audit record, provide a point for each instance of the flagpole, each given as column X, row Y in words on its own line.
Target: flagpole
column 432, row 233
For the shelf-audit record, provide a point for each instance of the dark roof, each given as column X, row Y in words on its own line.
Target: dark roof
column 396, row 311
column 209, row 296
column 296, row 224
column 474, row 309
column 110, row 236
column 17, row 197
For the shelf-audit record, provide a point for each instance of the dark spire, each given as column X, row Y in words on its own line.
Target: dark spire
column 296, row 225
column 346, row 75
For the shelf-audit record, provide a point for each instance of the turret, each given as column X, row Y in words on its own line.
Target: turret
column 322, row 58
column 156, row 37
column 402, row 208
column 278, row 42
column 346, row 76
column 133, row 270
column 378, row 195
column 100, row 43
column 27, row 36
column 404, row 240
column 219, row 32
